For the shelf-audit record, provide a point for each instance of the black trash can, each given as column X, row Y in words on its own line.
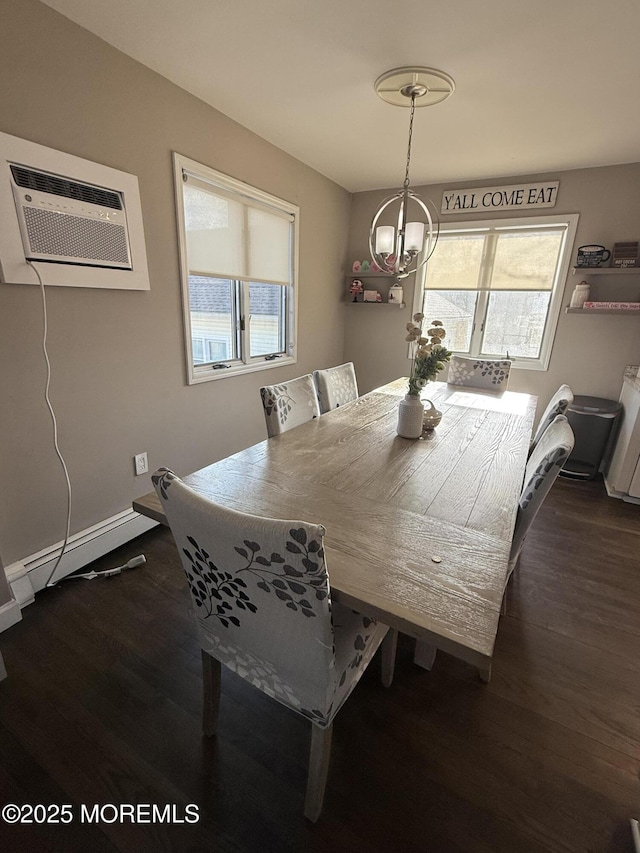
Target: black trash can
column 594, row 422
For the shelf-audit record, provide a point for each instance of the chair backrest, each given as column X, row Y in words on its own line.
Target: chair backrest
column 479, row 373
column 542, row 469
column 260, row 594
column 336, row 386
column 557, row 405
column 289, row 404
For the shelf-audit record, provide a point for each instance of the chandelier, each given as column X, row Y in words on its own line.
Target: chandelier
column 403, row 248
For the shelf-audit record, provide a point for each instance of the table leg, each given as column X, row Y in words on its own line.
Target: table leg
column 425, row 654
column 485, row 673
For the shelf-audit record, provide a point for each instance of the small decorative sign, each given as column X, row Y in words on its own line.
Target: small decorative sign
column 626, row 254
column 514, row 197
column 617, row 306
column 372, row 296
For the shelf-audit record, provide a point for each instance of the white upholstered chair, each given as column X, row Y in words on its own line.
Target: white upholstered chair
column 543, row 467
column 479, row 373
column 557, row 405
column 262, row 602
column 336, row 386
column 289, row 404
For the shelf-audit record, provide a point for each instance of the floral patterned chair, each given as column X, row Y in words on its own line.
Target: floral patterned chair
column 557, row 405
column 262, row 604
column 478, row 373
column 336, row 386
column 289, row 404
column 543, row 466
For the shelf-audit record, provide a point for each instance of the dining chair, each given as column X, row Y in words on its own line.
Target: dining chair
column 479, row 373
column 543, row 467
column 336, row 386
column 557, row 405
column 289, row 404
column 262, row 603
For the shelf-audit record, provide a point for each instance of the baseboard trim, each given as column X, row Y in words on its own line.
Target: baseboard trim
column 624, row 496
column 30, row 574
column 19, row 584
column 10, row 613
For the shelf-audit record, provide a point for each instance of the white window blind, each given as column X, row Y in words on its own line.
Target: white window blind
column 234, row 238
column 521, row 259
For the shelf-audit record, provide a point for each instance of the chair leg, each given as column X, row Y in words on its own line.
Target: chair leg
column 512, row 566
column 389, row 645
column 318, row 771
column 211, row 679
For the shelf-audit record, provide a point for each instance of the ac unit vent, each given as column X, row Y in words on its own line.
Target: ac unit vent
column 43, row 182
column 75, row 237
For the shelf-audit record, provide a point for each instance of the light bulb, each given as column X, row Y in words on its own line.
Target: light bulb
column 385, row 238
column 414, row 237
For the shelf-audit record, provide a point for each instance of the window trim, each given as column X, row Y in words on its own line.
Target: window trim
column 249, row 195
column 570, row 221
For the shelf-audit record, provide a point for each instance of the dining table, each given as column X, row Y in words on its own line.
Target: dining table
column 418, row 531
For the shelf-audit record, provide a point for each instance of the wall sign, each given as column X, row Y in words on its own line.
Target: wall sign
column 516, row 197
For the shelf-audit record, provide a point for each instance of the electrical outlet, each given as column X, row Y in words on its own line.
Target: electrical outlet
column 141, row 463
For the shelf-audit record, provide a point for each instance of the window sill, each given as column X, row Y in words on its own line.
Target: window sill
column 207, row 374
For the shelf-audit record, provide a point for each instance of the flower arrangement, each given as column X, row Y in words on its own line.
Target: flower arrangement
column 429, row 355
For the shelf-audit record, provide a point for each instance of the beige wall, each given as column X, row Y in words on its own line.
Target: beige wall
column 589, row 353
column 118, row 382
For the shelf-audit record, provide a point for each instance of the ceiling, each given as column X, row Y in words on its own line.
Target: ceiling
column 541, row 85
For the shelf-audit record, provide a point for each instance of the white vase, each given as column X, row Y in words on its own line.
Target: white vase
column 410, row 412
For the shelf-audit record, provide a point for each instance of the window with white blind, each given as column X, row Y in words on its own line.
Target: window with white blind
column 497, row 286
column 238, row 253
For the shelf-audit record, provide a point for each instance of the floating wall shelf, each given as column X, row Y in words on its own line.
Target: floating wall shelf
column 602, row 311
column 606, row 270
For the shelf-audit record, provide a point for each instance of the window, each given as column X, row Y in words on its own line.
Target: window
column 238, row 252
column 497, row 286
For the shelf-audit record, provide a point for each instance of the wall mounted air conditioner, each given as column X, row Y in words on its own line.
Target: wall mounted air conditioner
column 83, row 220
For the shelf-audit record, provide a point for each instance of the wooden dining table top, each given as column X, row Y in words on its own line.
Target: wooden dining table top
column 418, row 532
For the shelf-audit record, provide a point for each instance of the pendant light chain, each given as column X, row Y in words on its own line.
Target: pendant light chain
column 413, row 109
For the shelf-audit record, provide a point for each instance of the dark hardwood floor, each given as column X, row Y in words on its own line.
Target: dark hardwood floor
column 102, row 706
